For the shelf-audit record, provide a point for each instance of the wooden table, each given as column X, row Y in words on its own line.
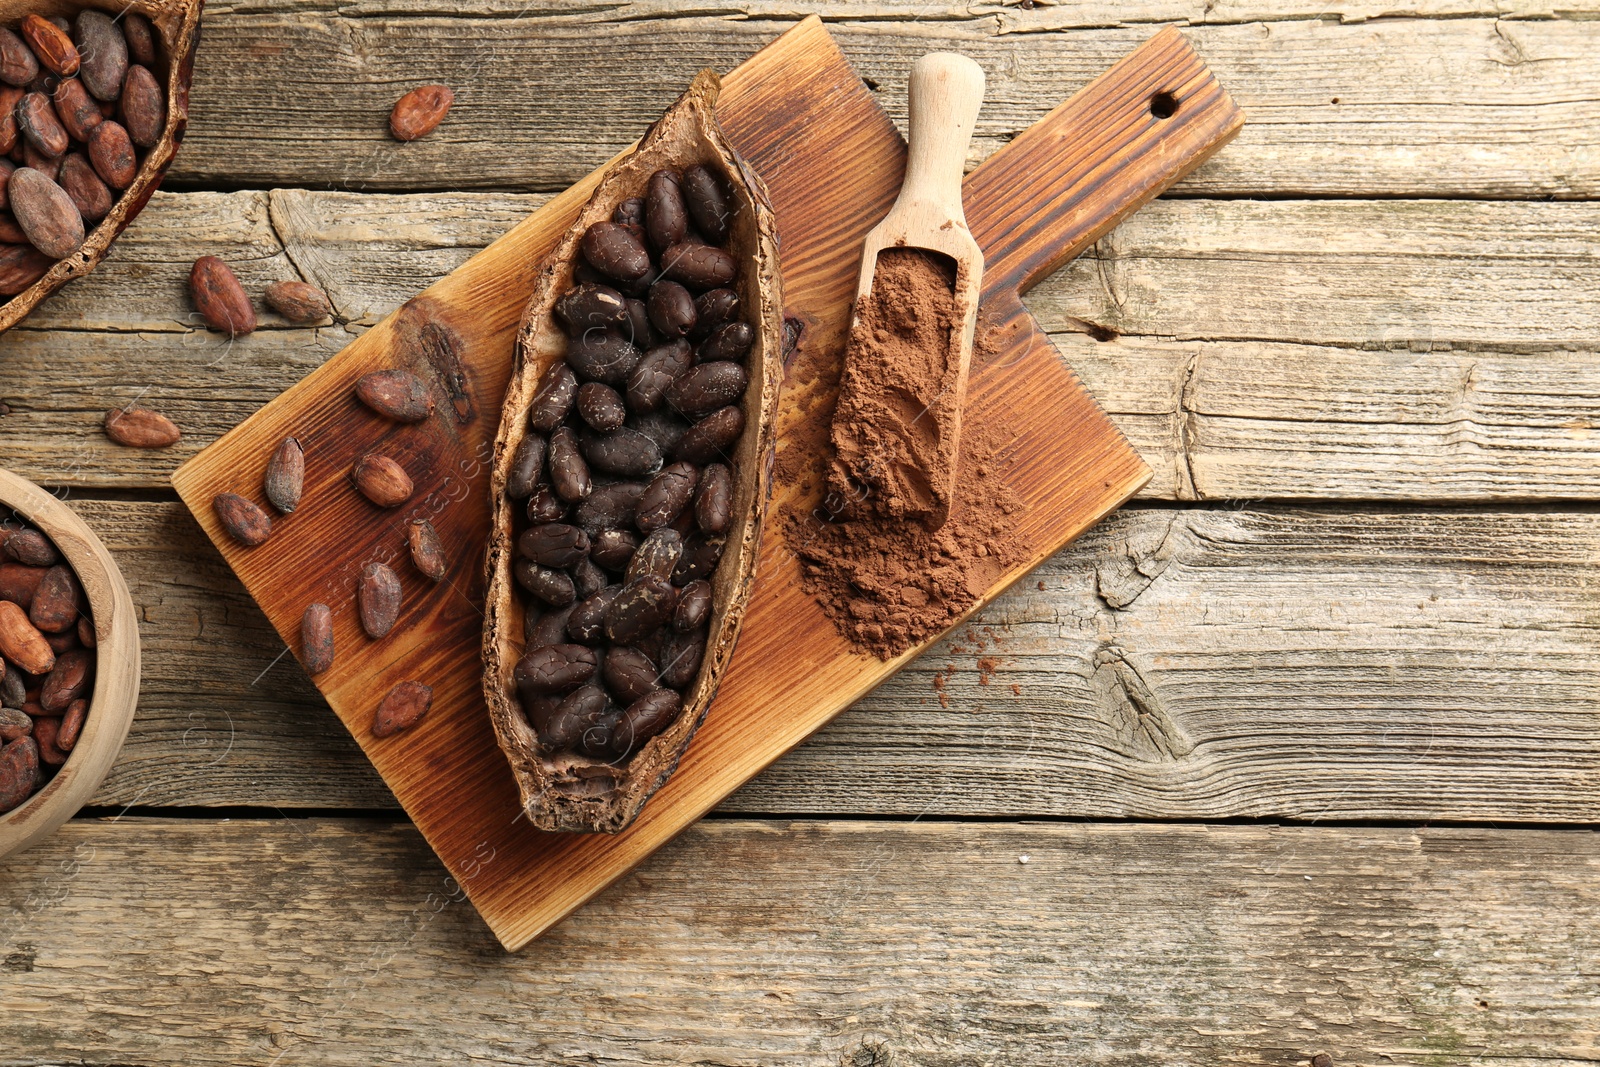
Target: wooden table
column 1299, row 754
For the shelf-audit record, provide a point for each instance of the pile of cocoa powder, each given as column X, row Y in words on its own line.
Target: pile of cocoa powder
column 887, row 578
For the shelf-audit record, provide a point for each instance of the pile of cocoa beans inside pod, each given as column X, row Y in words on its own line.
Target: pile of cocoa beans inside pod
column 47, row 660
column 79, row 102
column 625, row 479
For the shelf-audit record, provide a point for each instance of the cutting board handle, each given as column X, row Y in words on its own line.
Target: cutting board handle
column 1072, row 176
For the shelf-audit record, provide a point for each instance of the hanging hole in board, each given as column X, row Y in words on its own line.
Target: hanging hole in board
column 1163, row 105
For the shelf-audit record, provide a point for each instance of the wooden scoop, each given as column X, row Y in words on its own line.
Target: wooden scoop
column 897, row 427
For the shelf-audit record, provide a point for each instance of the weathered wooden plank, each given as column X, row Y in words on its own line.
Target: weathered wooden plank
column 342, row 942
column 1175, row 664
column 1499, row 108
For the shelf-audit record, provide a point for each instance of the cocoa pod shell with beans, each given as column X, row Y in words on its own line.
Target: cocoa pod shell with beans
column 570, row 772
column 138, row 427
column 218, row 296
column 419, row 112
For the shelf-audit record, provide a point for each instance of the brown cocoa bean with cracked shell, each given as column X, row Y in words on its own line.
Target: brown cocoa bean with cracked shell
column 56, row 601
column 666, row 219
column 20, row 267
column 602, row 356
column 427, row 551
column 644, row 719
column 628, row 674
column 142, row 107
column 13, row 689
column 45, row 731
column 713, row 437
column 554, row 544
column 668, row 493
column 45, row 213
column 612, row 549
column 712, row 308
column 698, row 266
column 244, row 519
column 565, row 723
column 395, row 394
column 638, row 330
column 382, row 480
column 111, row 152
column 27, row 545
column 19, row 581
column 624, row 453
column 657, row 555
column 316, row 638
column 21, row 643
column 558, row 389
column 15, row 723
column 18, row 65
column 91, row 196
column 555, row 668
column 694, row 606
column 601, row 407
column 540, row 628
column 214, row 288
column 141, row 37
column 707, row 388
column 708, row 203
column 654, row 374
column 643, row 605
column 544, row 505
column 77, row 111
column 378, row 599
column 592, row 307
column 51, row 44
column 671, row 308
column 19, row 772
column 419, row 112
column 614, row 250
column 102, row 52
column 730, row 341
column 67, row 681
column 29, row 156
column 713, row 499
column 586, row 625
column 72, row 724
column 681, row 657
column 701, row 554
column 630, row 211
column 569, row 471
column 527, row 467
column 587, row 578
column 285, row 478
column 552, row 587
column 401, row 708
column 140, row 427
column 299, row 302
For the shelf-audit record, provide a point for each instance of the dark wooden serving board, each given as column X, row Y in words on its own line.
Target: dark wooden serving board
column 832, row 162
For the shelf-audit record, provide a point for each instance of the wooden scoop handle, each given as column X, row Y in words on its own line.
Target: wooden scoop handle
column 945, row 94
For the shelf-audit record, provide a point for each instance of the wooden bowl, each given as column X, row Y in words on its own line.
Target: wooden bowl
column 116, row 683
column 177, row 22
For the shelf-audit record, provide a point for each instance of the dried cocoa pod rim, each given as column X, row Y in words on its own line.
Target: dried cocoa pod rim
column 177, row 24
column 571, row 792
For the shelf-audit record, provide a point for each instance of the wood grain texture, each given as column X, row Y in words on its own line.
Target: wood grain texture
column 294, row 942
column 1290, row 663
column 1501, row 107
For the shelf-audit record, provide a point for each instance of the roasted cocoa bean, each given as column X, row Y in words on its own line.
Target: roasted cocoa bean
column 600, row 406
column 595, row 741
column 28, row 154
column 602, row 356
column 13, row 691
column 549, row 627
column 72, row 725
column 657, row 556
column 625, row 453
column 27, row 545
column 680, row 659
column 78, row 112
column 701, row 554
column 671, row 308
column 707, row 388
column 664, row 499
column 55, row 602
column 111, row 152
column 18, row 65
column 644, row 604
column 666, row 220
column 20, row 267
column 382, row 480
column 694, row 607
column 544, row 505
column 19, row 772
column 630, row 212
column 629, row 674
column 316, row 638
column 569, row 473
column 586, row 624
column 555, row 544
column 45, row 213
column 587, row 578
column 141, row 38
column 554, row 587
column 142, row 107
column 427, row 551
column 609, row 507
column 554, row 668
column 663, row 427
column 45, row 730
column 299, row 302
column 711, row 438
column 63, row 642
column 419, row 112
column 51, row 44
column 213, row 286
column 285, row 478
column 138, row 427
column 378, row 599
column 401, row 708
column 91, row 196
column 612, row 549
column 21, row 642
column 729, row 341
column 638, row 330
column 708, row 203
column 244, row 520
column 698, row 266
column 711, row 309
column 644, row 719
column 613, row 249
column 103, row 53
column 15, row 723
column 557, row 391
column 395, row 394
column 655, row 373
column 527, row 467
column 86, row 633
column 19, row 581
column 580, row 709
column 67, row 681
column 713, row 499
column 592, row 307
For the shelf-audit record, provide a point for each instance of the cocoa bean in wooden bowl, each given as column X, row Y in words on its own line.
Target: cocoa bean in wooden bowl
column 91, row 116
column 70, row 646
column 631, row 474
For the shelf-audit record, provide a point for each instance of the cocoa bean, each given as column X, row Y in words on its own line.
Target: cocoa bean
column 21, row 642
column 729, row 341
column 316, row 638
column 540, row 628
column 55, row 602
column 615, row 251
column 625, row 453
column 527, row 467
column 19, row 581
column 86, row 633
column 698, row 266
column 592, row 307
column 427, row 552
column 544, row 505
column 554, row 544
column 395, row 394
column 45, row 730
column 10, row 232
column 77, row 111
column 18, row 65
column 378, row 599
column 213, row 286
column 244, row 519
column 14, row 724
column 382, row 480
column 31, row 547
column 569, row 472
column 141, row 38
column 45, row 213
column 29, row 155
column 600, row 406
column 554, row 668
column 713, row 500
column 20, row 267
column 72, row 725
column 671, row 308
column 553, row 587
column 644, row 719
column 286, row 476
column 563, row 727
column 602, row 356
column 401, row 708
column 557, row 391
column 630, row 211
column 63, row 642
column 657, row 556
column 13, row 690
column 628, row 673
column 103, row 53
column 586, row 624
column 419, row 112
column 664, row 499
column 644, row 604
column 637, row 329
column 595, row 741
column 701, row 554
column 51, row 44
column 694, row 606
column 91, row 196
column 612, row 549
column 708, row 203
column 712, row 437
column 67, row 681
column 111, row 152
column 680, row 659
column 19, row 771
column 666, row 220
column 300, row 302
column 655, row 373
column 139, row 427
column 707, row 388
column 587, row 578
column 711, row 309
column 142, row 107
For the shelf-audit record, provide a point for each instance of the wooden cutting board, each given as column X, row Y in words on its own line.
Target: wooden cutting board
column 832, row 161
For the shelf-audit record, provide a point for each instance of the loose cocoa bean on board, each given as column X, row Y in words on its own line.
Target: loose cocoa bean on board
column 300, row 302
column 395, row 394
column 427, row 551
column 139, row 427
column 316, row 638
column 286, row 476
column 382, row 480
column 378, row 599
column 401, row 708
column 244, row 520
column 419, row 112
column 215, row 289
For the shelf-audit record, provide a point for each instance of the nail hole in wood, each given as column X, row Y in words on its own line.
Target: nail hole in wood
column 1163, row 105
